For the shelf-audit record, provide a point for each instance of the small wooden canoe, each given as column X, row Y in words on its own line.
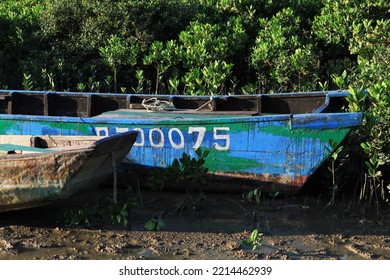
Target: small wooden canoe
column 266, row 140
column 40, row 170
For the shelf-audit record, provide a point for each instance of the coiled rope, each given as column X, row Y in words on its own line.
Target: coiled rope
column 155, row 105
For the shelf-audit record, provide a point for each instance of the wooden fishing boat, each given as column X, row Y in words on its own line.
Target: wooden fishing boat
column 276, row 140
column 39, row 170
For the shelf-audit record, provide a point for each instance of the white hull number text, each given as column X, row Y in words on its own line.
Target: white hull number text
column 175, row 137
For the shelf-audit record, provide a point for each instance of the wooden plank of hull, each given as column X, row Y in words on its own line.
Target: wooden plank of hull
column 281, row 146
column 28, row 180
column 278, row 138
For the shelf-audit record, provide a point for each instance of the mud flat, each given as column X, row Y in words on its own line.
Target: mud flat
column 212, row 226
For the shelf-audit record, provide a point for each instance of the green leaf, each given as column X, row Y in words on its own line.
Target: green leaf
column 254, row 235
column 150, row 225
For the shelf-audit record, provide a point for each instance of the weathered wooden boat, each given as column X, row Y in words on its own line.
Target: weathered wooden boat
column 266, row 139
column 39, row 170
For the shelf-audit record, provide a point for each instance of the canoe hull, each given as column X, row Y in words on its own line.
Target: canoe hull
column 278, row 139
column 29, row 180
column 284, row 150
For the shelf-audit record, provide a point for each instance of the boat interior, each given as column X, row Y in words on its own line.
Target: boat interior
column 93, row 104
column 25, row 144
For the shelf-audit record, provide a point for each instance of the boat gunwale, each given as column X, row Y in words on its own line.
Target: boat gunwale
column 65, row 149
column 256, row 104
column 330, row 93
column 52, row 152
column 354, row 119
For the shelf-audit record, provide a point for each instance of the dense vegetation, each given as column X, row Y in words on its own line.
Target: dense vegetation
column 209, row 47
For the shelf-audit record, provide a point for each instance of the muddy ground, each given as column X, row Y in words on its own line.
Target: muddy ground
column 210, row 226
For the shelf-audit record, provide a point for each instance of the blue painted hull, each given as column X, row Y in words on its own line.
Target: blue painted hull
column 281, row 149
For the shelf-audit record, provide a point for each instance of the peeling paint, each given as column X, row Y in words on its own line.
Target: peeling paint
column 32, row 179
column 286, row 148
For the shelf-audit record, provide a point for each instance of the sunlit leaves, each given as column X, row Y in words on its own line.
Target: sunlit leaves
column 116, row 53
column 280, row 57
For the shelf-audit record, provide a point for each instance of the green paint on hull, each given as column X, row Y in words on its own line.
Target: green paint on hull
column 124, row 114
column 336, row 135
column 216, row 162
column 7, row 126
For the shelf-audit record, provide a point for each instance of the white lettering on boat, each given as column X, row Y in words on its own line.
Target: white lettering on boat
column 175, row 136
column 179, row 145
column 153, row 139
column 201, row 133
column 224, row 137
column 141, row 137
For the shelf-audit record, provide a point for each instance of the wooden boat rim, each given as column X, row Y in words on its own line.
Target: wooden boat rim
column 303, row 94
column 177, row 121
column 33, row 151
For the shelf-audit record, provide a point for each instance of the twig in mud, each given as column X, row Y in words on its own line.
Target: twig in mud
column 138, row 191
column 348, row 207
column 292, row 206
column 115, row 188
column 326, row 206
column 159, row 214
column 183, row 204
column 242, row 207
column 318, row 200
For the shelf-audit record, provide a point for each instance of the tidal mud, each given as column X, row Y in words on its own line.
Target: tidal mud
column 207, row 226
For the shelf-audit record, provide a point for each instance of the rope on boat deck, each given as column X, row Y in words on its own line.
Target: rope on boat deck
column 155, row 105
column 207, row 103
